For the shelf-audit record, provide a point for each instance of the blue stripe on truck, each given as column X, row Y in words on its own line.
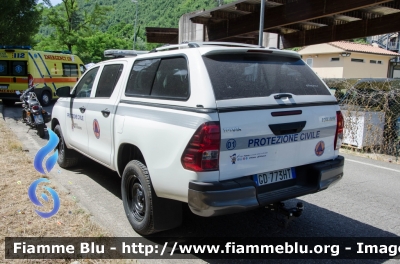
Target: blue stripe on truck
column 271, row 139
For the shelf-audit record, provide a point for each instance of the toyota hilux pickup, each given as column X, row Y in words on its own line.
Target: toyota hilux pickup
column 221, row 127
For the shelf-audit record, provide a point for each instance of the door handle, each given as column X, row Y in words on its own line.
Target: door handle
column 82, row 109
column 105, row 112
column 287, row 128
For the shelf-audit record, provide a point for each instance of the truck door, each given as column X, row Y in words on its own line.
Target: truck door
column 77, row 111
column 100, row 113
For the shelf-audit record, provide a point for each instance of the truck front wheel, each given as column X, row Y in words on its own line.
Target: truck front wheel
column 66, row 157
column 137, row 197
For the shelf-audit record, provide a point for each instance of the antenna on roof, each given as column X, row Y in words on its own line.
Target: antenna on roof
column 115, row 53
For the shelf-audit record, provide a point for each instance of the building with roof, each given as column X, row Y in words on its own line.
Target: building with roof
column 342, row 59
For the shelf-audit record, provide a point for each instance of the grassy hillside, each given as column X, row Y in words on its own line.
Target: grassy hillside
column 117, row 29
column 151, row 13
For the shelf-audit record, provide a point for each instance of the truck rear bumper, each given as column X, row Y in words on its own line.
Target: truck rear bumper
column 238, row 195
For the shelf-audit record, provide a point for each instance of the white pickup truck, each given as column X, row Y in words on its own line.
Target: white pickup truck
column 221, row 127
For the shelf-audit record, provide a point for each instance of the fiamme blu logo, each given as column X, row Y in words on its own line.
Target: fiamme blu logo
column 38, row 164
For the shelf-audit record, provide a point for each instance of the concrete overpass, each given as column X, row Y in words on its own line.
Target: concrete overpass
column 295, row 22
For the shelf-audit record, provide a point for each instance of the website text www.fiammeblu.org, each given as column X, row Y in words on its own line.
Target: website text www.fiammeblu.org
column 286, row 248
column 141, row 248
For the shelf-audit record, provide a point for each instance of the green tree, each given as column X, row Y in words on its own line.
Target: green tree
column 91, row 49
column 19, row 21
column 47, row 43
column 359, row 40
column 119, row 22
column 71, row 24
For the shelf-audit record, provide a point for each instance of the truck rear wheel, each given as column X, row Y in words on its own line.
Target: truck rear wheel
column 137, row 197
column 66, row 157
column 146, row 212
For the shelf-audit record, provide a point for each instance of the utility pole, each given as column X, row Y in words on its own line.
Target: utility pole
column 262, row 12
column 134, row 33
column 387, row 41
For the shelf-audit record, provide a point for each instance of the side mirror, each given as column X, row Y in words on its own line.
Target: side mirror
column 64, row 91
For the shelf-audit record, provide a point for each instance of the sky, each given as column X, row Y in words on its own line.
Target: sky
column 54, row 2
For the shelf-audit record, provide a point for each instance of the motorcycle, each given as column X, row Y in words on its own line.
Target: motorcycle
column 33, row 113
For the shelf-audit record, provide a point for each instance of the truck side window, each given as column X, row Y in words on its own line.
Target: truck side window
column 141, row 77
column 70, row 70
column 108, row 80
column 171, row 79
column 84, row 87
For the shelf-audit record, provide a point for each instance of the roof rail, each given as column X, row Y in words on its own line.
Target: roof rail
column 231, row 44
column 198, row 44
column 116, row 53
column 177, row 46
column 15, row 47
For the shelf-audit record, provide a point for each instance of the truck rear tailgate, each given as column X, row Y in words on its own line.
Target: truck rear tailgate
column 275, row 114
column 260, row 141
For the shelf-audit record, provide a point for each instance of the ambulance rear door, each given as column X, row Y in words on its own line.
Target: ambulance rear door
column 13, row 72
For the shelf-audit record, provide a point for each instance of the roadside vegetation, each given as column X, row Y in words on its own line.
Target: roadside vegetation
column 17, row 213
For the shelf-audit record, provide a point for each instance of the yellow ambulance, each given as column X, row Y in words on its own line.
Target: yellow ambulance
column 21, row 66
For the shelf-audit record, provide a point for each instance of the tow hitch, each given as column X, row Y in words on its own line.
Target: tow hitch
column 286, row 215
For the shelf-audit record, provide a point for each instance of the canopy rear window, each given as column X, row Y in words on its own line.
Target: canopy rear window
column 235, row 76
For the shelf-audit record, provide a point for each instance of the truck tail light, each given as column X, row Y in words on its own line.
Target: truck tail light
column 339, row 130
column 202, row 151
column 30, row 80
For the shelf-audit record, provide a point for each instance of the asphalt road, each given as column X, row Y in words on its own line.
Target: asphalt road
column 364, row 203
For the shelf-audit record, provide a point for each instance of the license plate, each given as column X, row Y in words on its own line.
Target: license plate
column 3, row 86
column 38, row 118
column 274, row 176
